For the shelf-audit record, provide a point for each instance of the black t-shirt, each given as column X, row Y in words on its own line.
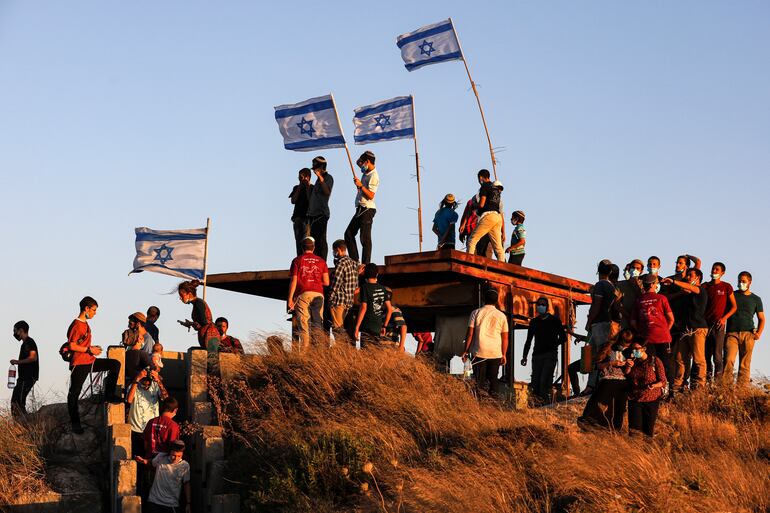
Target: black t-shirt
column 696, row 309
column 319, row 202
column 136, row 361
column 152, row 329
column 492, row 194
column 679, row 300
column 303, row 201
column 29, row 371
column 548, row 332
column 374, row 295
column 606, row 291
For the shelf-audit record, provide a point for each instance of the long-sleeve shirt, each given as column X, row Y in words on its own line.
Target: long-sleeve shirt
column 548, row 333
column 344, row 282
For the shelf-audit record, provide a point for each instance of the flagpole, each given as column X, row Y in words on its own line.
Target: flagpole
column 478, row 100
column 206, row 257
column 350, row 160
column 417, row 166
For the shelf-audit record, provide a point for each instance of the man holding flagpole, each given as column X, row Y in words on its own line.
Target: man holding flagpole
column 318, row 211
column 365, row 209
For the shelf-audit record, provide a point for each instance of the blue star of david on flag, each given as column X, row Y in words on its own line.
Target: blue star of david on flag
column 310, row 125
column 430, row 44
column 160, row 256
column 306, row 131
column 382, row 121
column 179, row 253
column 426, row 48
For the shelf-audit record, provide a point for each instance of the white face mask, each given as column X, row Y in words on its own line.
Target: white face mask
column 657, row 288
column 636, row 273
column 715, row 276
column 743, row 287
column 653, row 270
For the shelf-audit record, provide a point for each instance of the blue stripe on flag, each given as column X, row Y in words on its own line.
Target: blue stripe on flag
column 446, row 57
column 420, row 35
column 194, row 273
column 384, row 136
column 382, row 108
column 156, row 237
column 311, row 107
column 313, row 143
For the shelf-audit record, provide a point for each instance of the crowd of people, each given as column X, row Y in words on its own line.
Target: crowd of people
column 653, row 337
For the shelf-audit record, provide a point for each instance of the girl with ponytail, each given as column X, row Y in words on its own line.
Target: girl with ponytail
column 208, row 336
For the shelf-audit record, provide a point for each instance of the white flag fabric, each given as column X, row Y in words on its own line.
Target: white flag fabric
column 387, row 120
column 430, row 44
column 179, row 253
column 310, row 125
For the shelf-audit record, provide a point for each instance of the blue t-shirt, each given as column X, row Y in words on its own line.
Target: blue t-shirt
column 443, row 218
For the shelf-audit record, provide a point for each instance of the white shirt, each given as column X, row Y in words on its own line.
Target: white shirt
column 371, row 181
column 488, row 325
column 168, row 480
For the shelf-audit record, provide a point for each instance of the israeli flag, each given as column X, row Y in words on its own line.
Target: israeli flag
column 384, row 121
column 430, row 44
column 310, row 125
column 180, row 253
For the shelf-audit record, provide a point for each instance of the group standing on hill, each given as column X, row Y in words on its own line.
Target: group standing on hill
column 665, row 336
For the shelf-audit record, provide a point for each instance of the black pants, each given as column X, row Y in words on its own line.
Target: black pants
column 362, row 221
column 482, row 246
column 715, row 352
column 157, row 508
column 78, row 377
column 543, row 367
column 642, row 417
column 607, row 405
column 515, row 259
column 486, row 369
column 318, row 232
column 368, row 339
column 19, row 396
column 300, row 232
column 574, row 379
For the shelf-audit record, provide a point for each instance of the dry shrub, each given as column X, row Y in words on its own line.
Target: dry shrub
column 22, row 469
column 345, row 430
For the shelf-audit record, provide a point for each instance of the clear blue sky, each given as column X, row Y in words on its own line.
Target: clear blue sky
column 629, row 130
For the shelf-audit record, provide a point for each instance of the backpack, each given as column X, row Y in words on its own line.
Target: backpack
column 64, row 350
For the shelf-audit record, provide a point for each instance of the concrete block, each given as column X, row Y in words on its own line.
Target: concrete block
column 197, row 359
column 202, row 413
column 124, row 481
column 130, row 504
column 207, row 450
column 119, row 353
column 226, row 503
column 121, row 430
column 121, row 449
column 215, row 477
column 114, row 413
column 229, row 366
column 212, row 431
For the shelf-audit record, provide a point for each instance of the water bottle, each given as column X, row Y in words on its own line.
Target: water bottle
column 467, row 369
column 11, row 376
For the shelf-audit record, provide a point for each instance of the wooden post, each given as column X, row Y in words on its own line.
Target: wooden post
column 206, row 257
column 347, row 151
column 417, row 166
column 478, row 100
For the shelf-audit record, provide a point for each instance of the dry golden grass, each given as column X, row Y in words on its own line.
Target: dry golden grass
column 305, row 427
column 22, row 469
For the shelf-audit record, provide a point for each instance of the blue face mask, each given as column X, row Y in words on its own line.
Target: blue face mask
column 541, row 309
column 636, row 353
column 363, row 169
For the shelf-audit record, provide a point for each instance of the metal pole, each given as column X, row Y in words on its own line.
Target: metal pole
column 417, row 166
column 511, row 340
column 206, row 257
column 350, row 160
column 478, row 100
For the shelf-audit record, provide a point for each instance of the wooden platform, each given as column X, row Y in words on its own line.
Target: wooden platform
column 445, row 282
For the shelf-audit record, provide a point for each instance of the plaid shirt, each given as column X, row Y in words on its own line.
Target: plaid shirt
column 344, row 282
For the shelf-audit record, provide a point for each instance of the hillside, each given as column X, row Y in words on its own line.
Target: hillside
column 344, row 430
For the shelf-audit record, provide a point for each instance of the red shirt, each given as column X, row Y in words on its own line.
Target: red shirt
column 717, row 303
column 651, row 314
column 309, row 270
column 80, row 333
column 158, row 435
